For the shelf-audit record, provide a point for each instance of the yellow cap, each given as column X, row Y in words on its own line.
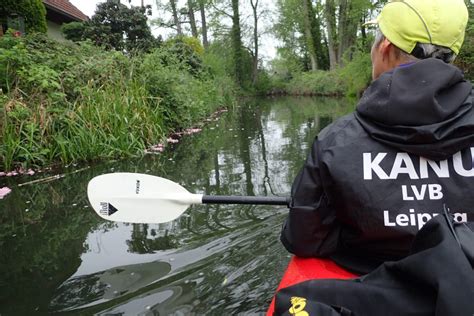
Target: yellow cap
column 408, row 22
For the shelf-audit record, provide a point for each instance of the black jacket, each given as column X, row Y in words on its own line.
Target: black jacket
column 374, row 177
column 436, row 279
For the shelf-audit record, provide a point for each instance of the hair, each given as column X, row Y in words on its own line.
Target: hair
column 421, row 50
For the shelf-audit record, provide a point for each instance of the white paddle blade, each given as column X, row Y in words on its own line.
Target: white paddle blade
column 138, row 198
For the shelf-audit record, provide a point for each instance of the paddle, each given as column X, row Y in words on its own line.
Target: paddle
column 141, row 198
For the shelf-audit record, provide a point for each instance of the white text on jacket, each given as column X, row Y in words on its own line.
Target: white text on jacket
column 403, row 164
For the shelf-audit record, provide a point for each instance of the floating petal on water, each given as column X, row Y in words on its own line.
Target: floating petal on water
column 4, row 192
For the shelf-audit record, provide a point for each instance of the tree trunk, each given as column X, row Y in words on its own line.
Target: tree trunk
column 237, row 42
column 255, row 40
column 342, row 29
column 330, row 14
column 307, row 9
column 175, row 17
column 192, row 20
column 350, row 16
column 205, row 41
column 320, row 44
column 363, row 31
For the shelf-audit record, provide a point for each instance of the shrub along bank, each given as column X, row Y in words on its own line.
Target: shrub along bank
column 353, row 77
column 67, row 102
column 349, row 80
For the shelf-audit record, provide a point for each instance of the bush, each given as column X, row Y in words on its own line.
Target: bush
column 185, row 96
column 264, row 83
column 191, row 42
column 74, row 31
column 324, row 83
column 12, row 56
column 182, row 52
column 356, row 74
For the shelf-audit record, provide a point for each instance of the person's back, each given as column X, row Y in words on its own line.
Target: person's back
column 376, row 176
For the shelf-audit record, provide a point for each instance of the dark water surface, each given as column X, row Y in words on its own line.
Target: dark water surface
column 57, row 256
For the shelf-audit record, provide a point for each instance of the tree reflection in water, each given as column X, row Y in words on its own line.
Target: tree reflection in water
column 145, row 240
column 113, row 284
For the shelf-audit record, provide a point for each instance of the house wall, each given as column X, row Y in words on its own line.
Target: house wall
column 54, row 31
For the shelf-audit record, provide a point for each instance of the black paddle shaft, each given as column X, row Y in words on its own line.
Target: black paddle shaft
column 261, row 200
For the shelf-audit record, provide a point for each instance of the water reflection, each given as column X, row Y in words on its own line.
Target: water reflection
column 100, row 287
column 170, row 300
column 145, row 240
column 59, row 256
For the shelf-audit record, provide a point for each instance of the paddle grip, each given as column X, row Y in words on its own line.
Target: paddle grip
column 260, row 200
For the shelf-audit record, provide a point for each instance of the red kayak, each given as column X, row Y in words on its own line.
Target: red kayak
column 302, row 269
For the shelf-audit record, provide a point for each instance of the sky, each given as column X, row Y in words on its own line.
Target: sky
column 268, row 42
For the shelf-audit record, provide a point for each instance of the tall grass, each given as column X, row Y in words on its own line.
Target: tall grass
column 68, row 103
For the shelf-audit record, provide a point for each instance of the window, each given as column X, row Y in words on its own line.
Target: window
column 16, row 22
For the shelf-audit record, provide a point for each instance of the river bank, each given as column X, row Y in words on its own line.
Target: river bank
column 67, row 103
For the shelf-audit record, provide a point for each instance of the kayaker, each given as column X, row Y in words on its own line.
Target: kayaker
column 374, row 177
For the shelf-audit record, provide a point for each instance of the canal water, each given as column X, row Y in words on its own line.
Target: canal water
column 58, row 257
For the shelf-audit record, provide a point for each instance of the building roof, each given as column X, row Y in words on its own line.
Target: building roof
column 66, row 8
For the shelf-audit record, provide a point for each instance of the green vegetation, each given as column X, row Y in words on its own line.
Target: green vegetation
column 326, row 47
column 115, row 26
column 315, row 83
column 69, row 103
column 119, row 90
column 32, row 13
column 465, row 59
column 350, row 80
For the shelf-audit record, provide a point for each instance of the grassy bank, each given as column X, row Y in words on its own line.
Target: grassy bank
column 349, row 80
column 69, row 103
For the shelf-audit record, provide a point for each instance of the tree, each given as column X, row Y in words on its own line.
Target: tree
column 169, row 7
column 254, row 4
column 326, row 31
column 330, row 15
column 192, row 20
column 343, row 20
column 202, row 9
column 299, row 28
column 237, row 42
column 177, row 23
column 287, row 29
column 178, row 17
column 115, row 26
column 31, row 13
column 308, row 18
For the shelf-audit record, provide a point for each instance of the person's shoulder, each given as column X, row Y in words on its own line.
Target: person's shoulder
column 346, row 126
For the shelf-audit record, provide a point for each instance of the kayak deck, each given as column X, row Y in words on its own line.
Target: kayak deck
column 303, row 269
